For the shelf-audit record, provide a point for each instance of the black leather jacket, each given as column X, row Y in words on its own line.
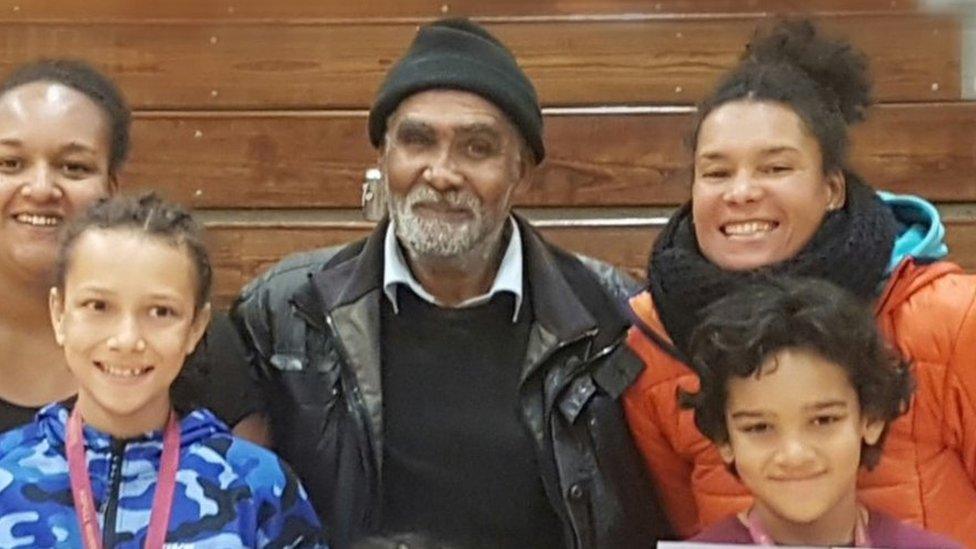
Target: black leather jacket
column 312, row 325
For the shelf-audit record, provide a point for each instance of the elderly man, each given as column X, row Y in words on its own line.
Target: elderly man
column 454, row 374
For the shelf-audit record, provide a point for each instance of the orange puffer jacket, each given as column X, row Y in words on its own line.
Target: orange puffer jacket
column 927, row 474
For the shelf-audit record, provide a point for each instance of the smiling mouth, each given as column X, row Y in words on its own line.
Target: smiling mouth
column 38, row 220
column 748, row 228
column 123, row 372
column 804, row 478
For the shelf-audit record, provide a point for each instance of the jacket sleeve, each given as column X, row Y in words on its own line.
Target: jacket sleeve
column 250, row 316
column 671, row 472
column 960, row 386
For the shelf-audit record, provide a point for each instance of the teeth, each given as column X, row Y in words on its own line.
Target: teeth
column 38, row 220
column 123, row 372
column 747, row 228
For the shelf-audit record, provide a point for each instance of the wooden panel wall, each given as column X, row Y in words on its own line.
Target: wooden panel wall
column 249, row 109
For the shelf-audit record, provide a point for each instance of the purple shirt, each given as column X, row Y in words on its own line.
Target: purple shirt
column 884, row 531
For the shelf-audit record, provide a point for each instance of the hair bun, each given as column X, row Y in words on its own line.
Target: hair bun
column 840, row 70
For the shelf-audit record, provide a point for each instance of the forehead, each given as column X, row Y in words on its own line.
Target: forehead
column 789, row 380
column 43, row 105
column 129, row 261
column 743, row 127
column 450, row 109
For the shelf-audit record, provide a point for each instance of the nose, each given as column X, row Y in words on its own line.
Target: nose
column 442, row 172
column 128, row 336
column 794, row 453
column 41, row 187
column 742, row 189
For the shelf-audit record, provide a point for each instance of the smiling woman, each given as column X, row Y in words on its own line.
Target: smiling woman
column 63, row 135
column 772, row 195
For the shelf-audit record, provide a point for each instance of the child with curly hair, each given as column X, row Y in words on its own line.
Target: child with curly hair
column 797, row 389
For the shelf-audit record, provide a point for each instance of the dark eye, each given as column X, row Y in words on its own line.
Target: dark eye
column 825, row 420
column 480, row 148
column 778, row 169
column 715, row 174
column 77, row 169
column 94, row 305
column 161, row 311
column 10, row 164
column 757, row 428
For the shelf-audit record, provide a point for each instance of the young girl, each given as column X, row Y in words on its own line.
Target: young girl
column 797, row 391
column 132, row 463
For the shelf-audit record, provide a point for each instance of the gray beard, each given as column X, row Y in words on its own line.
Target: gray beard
column 437, row 237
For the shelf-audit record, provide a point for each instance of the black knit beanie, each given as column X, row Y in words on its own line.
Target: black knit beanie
column 459, row 54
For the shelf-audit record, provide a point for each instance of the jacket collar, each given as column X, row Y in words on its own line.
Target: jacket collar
column 358, row 270
column 555, row 301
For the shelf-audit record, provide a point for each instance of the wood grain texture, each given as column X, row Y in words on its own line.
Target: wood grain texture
column 288, row 160
column 322, row 65
column 236, row 10
column 240, row 253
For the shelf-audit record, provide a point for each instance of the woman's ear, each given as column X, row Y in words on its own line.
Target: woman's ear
column 725, row 450
column 55, row 304
column 837, row 189
column 871, row 430
column 199, row 327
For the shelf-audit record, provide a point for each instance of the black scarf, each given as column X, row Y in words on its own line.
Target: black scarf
column 851, row 249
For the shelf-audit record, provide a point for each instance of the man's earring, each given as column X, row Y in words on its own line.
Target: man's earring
column 374, row 195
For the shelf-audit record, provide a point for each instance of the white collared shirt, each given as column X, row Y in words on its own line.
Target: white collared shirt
column 508, row 278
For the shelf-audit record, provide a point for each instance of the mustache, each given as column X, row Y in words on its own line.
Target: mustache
column 462, row 198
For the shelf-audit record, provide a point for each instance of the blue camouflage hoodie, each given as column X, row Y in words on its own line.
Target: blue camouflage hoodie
column 229, row 492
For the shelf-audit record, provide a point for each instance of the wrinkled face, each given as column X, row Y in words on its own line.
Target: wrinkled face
column 797, row 429
column 452, row 161
column 54, row 160
column 126, row 318
column 759, row 192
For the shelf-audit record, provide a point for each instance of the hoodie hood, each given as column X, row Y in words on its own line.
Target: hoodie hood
column 921, row 234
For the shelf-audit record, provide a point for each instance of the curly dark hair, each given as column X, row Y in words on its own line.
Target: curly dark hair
column 82, row 77
column 149, row 215
column 740, row 331
column 824, row 81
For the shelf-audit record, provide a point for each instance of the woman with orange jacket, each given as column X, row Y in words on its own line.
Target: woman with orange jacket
column 772, row 195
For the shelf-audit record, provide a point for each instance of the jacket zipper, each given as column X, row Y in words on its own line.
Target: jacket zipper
column 112, row 502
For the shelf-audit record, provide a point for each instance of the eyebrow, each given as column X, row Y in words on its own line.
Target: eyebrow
column 814, row 407
column 777, row 150
column 77, row 146
column 823, row 405
column 106, row 291
column 717, row 155
column 74, row 146
column 748, row 414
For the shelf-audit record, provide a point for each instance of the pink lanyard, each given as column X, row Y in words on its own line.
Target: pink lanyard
column 81, row 490
column 761, row 537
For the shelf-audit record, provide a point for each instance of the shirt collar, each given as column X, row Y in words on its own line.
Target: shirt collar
column 507, row 279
